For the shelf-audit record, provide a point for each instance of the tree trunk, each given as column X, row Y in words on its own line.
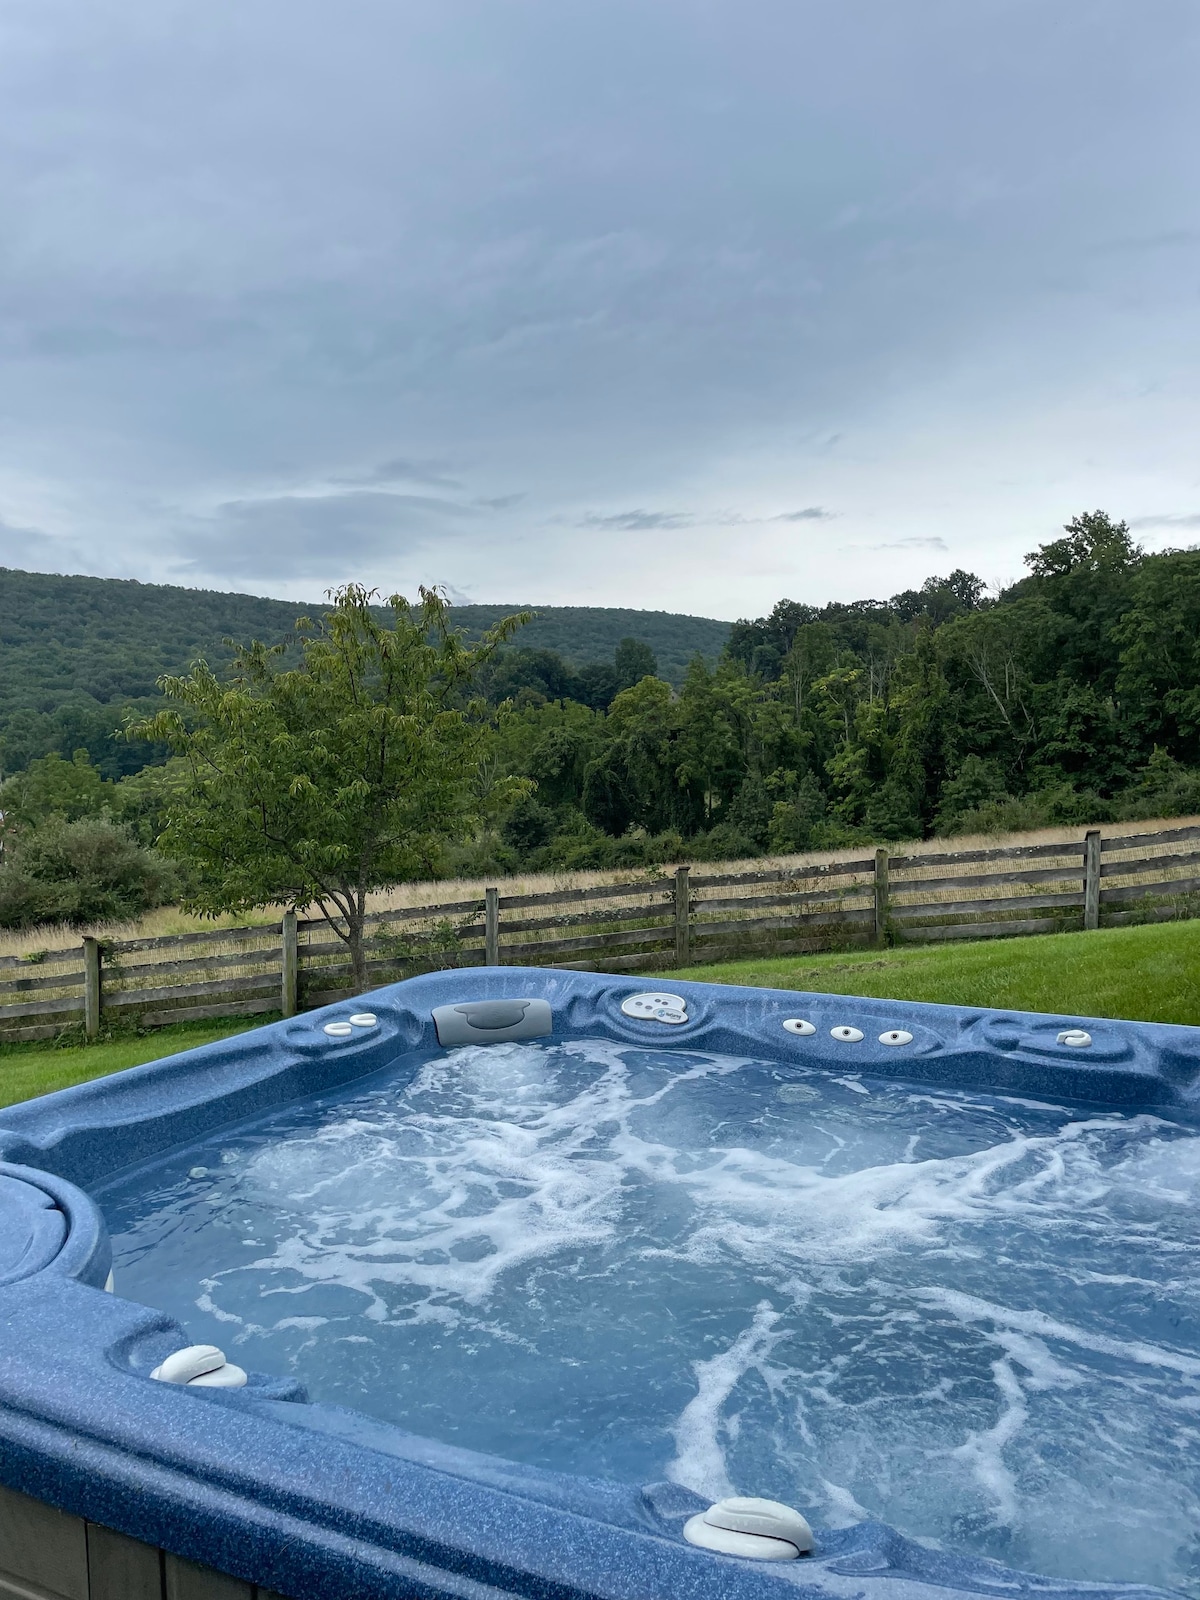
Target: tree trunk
column 358, row 956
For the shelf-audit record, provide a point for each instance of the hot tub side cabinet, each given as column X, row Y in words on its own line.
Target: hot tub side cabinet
column 48, row 1555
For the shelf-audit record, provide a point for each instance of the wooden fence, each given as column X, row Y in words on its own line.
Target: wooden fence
column 647, row 924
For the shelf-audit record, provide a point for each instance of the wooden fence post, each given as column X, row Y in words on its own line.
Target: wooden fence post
column 290, row 965
column 683, row 918
column 1091, row 878
column 91, row 986
column 491, row 927
column 881, row 895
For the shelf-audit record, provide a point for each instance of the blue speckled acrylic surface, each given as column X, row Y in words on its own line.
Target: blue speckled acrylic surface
column 321, row 1498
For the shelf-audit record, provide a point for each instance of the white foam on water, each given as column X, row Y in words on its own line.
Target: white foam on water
column 950, row 1311
column 983, row 1451
column 751, row 1197
column 841, row 1509
column 500, row 1190
column 508, row 1177
column 969, row 1308
column 699, row 1460
column 205, row 1302
column 1163, row 1171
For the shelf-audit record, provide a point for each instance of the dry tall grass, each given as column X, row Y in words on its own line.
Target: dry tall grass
column 169, row 920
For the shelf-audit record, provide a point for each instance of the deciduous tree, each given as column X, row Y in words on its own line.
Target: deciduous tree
column 317, row 783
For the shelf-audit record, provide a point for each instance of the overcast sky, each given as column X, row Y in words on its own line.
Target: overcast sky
column 680, row 304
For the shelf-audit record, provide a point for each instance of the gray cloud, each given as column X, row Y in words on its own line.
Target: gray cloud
column 312, row 535
column 642, row 259
column 1183, row 519
column 29, row 547
column 501, row 502
column 399, row 469
column 639, row 521
column 933, row 543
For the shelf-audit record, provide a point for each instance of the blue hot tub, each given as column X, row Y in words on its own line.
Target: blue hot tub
column 528, row 1268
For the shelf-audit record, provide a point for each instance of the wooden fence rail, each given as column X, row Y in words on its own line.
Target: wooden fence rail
column 650, row 923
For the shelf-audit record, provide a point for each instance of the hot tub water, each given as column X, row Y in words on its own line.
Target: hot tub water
column 973, row 1317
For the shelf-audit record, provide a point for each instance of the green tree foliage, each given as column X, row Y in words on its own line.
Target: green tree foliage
column 532, row 677
column 1158, row 635
column 633, row 661
column 631, row 782
column 52, row 787
column 794, row 822
column 142, row 801
column 79, row 655
column 1074, row 696
column 318, row 782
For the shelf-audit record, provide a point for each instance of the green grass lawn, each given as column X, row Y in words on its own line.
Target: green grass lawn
column 31, row 1069
column 1151, row 973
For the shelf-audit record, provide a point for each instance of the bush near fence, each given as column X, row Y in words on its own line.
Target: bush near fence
column 643, row 924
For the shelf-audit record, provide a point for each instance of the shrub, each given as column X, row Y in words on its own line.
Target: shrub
column 80, row 872
column 528, row 825
column 725, row 842
column 975, row 792
column 749, row 813
column 1166, row 788
column 794, row 821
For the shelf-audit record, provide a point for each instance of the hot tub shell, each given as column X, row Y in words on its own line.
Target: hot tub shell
column 305, row 1500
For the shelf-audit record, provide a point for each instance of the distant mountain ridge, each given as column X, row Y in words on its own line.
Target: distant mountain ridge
column 591, row 633
column 76, row 650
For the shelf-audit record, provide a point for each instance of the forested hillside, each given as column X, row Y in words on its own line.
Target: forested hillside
column 583, row 635
column 1072, row 697
column 77, row 653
